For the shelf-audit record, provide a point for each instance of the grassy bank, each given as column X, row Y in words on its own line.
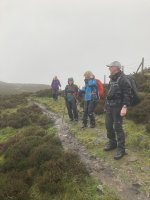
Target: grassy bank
column 131, row 168
column 33, row 163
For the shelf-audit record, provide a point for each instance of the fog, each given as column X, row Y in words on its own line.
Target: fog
column 43, row 38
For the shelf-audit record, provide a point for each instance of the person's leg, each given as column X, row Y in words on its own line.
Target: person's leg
column 109, row 121
column 53, row 94
column 85, row 113
column 91, row 108
column 119, row 132
column 119, row 129
column 56, row 95
column 75, row 110
column 69, row 107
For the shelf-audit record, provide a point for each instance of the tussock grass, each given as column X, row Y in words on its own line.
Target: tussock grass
column 137, row 143
column 33, row 163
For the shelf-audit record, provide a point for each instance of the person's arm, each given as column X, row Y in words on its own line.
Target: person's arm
column 126, row 93
column 52, row 84
column 76, row 90
column 81, row 91
column 59, row 83
column 65, row 93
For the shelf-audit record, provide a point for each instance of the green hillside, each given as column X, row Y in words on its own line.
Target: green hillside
column 18, row 88
column 33, row 162
column 135, row 167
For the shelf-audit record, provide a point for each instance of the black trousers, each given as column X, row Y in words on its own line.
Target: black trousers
column 72, row 109
column 88, row 111
column 113, row 121
column 55, row 94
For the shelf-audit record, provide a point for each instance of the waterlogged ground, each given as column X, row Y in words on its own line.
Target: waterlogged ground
column 133, row 170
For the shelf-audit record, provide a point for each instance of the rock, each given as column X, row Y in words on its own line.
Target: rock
column 127, row 152
column 148, row 195
column 145, row 169
column 98, row 168
column 92, row 157
column 132, row 159
column 65, row 135
column 136, row 185
column 100, row 189
column 96, row 141
column 135, row 190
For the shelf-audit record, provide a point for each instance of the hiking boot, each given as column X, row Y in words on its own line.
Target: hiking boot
column 76, row 119
column 119, row 154
column 110, row 146
column 92, row 126
column 71, row 120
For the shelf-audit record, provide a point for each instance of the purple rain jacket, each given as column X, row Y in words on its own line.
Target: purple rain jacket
column 55, row 84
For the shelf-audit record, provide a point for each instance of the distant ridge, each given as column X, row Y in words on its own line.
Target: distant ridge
column 17, row 88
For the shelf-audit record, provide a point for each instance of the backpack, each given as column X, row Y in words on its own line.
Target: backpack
column 134, row 97
column 100, row 88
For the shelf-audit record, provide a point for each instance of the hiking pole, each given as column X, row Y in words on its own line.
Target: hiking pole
column 77, row 104
column 64, row 111
column 63, row 114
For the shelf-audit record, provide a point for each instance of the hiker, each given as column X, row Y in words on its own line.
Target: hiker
column 90, row 91
column 71, row 92
column 117, row 101
column 55, row 88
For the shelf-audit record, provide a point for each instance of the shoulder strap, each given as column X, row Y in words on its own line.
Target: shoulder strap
column 128, row 80
column 119, row 78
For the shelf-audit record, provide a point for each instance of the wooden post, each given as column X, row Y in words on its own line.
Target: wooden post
column 142, row 65
column 104, row 79
column 139, row 67
column 123, row 69
column 104, row 85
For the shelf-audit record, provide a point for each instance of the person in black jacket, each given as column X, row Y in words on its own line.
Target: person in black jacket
column 117, row 101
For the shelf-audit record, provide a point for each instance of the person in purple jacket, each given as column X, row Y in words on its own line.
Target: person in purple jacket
column 55, row 88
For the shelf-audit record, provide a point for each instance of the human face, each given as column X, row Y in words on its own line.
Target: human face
column 114, row 69
column 87, row 77
column 70, row 82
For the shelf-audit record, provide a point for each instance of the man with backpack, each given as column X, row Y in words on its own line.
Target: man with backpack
column 71, row 92
column 117, row 101
column 91, row 96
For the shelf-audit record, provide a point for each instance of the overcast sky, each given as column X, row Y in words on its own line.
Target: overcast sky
column 43, row 38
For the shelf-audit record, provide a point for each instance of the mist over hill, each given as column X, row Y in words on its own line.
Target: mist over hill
column 17, row 88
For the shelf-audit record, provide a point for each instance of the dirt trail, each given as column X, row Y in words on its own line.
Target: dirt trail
column 97, row 168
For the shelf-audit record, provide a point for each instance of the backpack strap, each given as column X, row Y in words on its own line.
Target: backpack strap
column 123, row 75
